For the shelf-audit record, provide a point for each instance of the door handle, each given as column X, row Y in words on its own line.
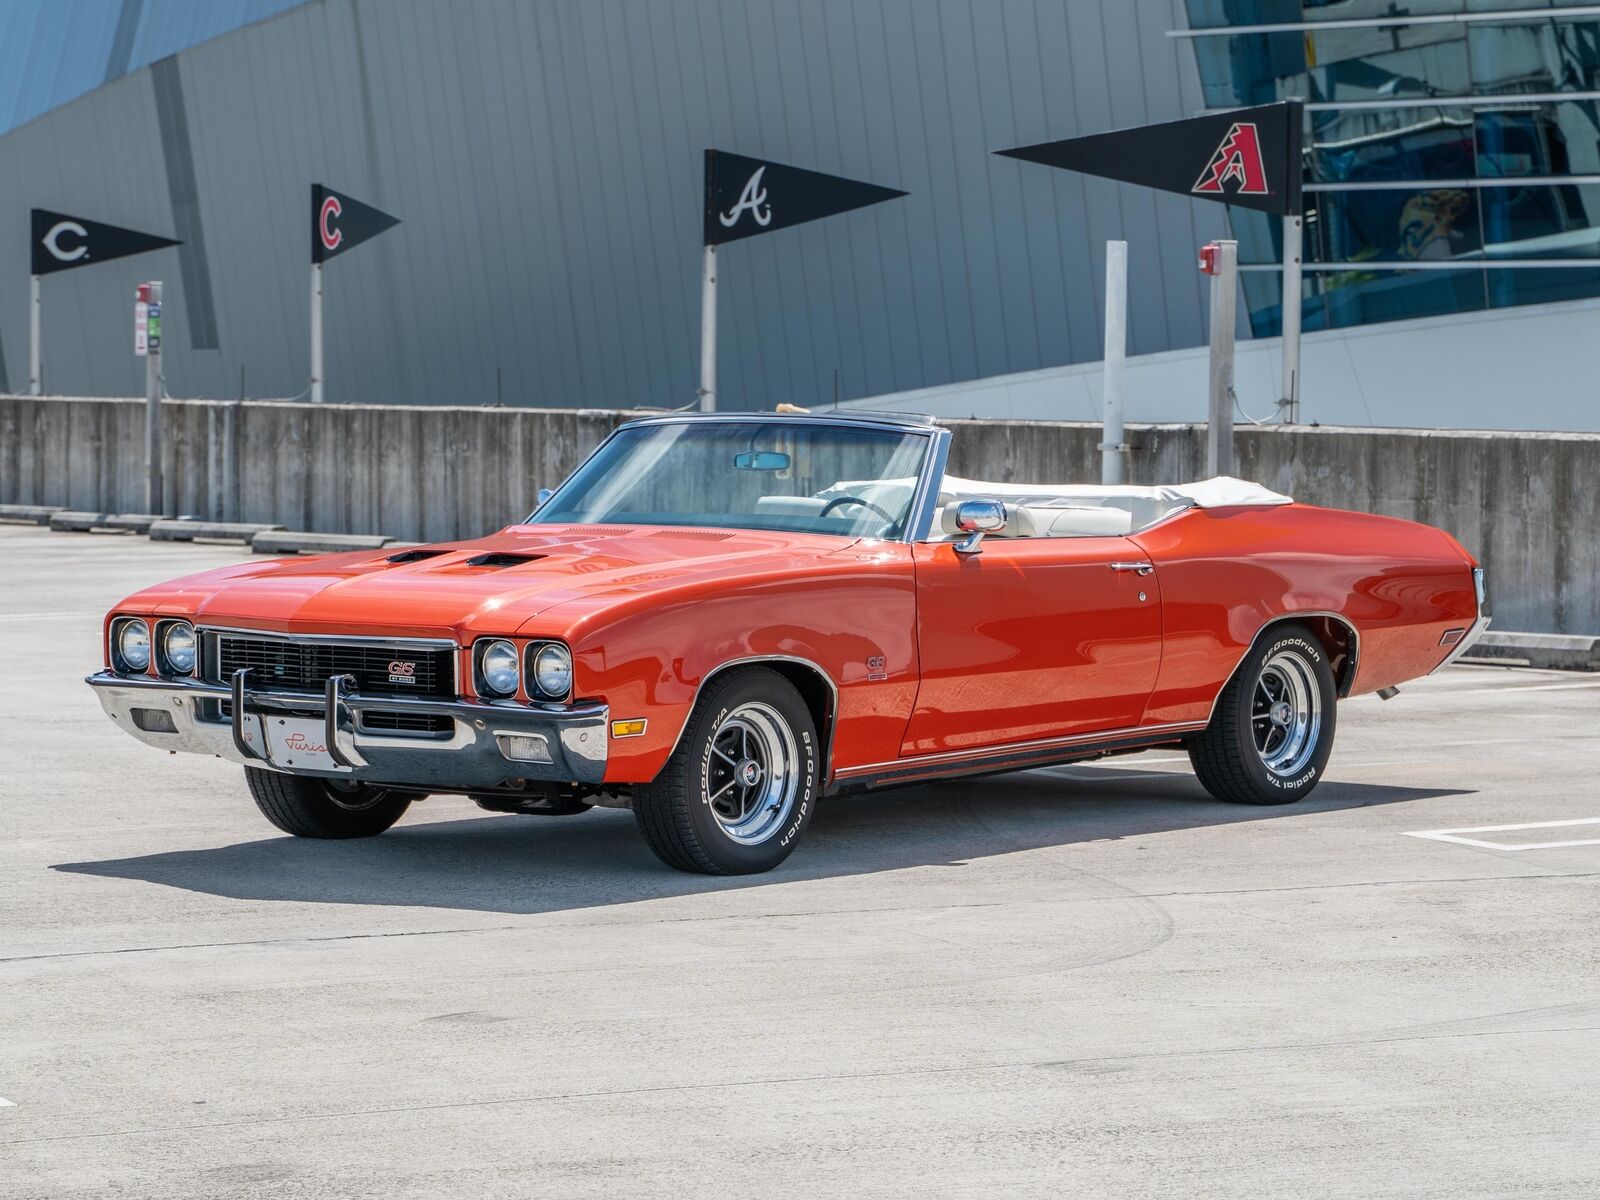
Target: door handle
column 1142, row 568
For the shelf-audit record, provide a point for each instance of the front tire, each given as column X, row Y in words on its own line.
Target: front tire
column 739, row 790
column 1272, row 730
column 316, row 808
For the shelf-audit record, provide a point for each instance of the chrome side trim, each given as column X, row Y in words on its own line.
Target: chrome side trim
column 1339, row 692
column 756, row 660
column 977, row 755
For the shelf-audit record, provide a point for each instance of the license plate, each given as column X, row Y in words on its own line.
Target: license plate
column 299, row 743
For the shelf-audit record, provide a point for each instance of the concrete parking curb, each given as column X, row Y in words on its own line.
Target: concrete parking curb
column 70, row 521
column 1545, row 651
column 133, row 522
column 28, row 514
column 283, row 541
column 187, row 531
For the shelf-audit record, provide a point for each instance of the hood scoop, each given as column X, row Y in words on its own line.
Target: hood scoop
column 497, row 559
column 411, row 556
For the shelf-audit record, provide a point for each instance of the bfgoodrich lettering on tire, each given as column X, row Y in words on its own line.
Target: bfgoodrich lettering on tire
column 739, row 791
column 1272, row 731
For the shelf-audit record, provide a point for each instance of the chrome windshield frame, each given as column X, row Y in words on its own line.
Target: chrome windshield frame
column 924, row 497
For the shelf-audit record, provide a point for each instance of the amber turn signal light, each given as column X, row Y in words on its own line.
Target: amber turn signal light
column 621, row 729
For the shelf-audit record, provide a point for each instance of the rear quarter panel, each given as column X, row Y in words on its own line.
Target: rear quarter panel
column 1225, row 573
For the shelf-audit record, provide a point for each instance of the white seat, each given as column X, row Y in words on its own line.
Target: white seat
column 1049, row 520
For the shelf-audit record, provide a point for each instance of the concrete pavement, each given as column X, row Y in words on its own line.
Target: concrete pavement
column 1089, row 980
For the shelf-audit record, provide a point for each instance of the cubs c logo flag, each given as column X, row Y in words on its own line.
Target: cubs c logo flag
column 747, row 196
column 61, row 243
column 339, row 222
column 1249, row 157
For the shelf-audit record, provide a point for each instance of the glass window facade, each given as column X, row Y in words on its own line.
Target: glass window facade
column 1440, row 124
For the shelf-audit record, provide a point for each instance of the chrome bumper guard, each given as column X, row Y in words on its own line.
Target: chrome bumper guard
column 563, row 745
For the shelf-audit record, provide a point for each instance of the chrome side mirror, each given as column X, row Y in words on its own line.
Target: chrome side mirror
column 544, row 494
column 976, row 518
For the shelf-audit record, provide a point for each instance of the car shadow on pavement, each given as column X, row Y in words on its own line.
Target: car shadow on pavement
column 521, row 864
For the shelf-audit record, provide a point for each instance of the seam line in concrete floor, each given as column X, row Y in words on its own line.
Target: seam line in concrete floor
column 778, row 1081
column 1537, row 871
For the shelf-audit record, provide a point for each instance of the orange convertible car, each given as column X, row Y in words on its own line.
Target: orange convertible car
column 719, row 619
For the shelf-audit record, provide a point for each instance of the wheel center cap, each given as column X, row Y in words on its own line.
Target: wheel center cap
column 1280, row 713
column 748, row 772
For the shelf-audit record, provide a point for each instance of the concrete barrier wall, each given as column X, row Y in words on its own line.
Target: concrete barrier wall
column 1526, row 503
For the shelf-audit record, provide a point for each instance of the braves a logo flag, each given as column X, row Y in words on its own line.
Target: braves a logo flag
column 747, row 196
column 339, row 222
column 61, row 242
column 1249, row 156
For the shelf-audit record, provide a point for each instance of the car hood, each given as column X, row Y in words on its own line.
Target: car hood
column 492, row 585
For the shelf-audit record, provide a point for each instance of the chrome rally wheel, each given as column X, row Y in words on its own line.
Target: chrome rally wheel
column 1272, row 727
column 751, row 781
column 739, row 790
column 1286, row 714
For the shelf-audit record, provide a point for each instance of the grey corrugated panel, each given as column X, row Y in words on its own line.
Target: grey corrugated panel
column 544, row 159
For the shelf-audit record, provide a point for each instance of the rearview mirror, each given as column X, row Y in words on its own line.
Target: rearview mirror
column 544, row 494
column 976, row 518
column 761, row 460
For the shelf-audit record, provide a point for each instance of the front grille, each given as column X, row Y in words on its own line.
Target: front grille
column 285, row 665
column 406, row 722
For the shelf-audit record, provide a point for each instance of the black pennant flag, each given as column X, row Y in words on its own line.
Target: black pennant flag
column 339, row 222
column 747, row 196
column 61, row 242
column 1249, row 156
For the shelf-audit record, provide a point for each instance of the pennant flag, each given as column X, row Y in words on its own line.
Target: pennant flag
column 61, row 242
column 747, row 196
column 1249, row 156
column 339, row 222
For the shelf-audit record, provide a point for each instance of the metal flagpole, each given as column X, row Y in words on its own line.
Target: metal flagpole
column 708, row 333
column 153, row 499
column 35, row 365
column 1219, row 427
column 316, row 333
column 1112, row 447
column 1290, row 308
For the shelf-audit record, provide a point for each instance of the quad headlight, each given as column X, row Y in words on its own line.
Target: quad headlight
column 499, row 668
column 551, row 671
column 179, row 648
column 130, row 646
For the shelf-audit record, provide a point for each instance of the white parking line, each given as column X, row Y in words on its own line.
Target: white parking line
column 4, row 1103
column 46, row 616
column 1512, row 690
column 1452, row 835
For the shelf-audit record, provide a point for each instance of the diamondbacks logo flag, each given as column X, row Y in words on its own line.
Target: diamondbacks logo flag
column 747, row 196
column 340, row 223
column 1249, row 157
column 61, row 242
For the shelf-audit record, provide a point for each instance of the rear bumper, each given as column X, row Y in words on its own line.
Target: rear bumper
column 562, row 745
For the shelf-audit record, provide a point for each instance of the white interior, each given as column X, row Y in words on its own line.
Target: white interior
column 1051, row 510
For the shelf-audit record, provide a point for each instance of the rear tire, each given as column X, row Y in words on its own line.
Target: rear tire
column 1272, row 730
column 316, row 808
column 739, row 790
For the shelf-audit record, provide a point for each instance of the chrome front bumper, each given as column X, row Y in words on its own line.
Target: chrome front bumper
column 472, row 755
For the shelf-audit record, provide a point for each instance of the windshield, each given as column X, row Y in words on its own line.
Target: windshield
column 775, row 474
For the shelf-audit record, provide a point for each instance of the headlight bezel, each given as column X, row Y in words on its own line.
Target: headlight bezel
column 120, row 662
column 536, row 688
column 480, row 672
column 165, row 664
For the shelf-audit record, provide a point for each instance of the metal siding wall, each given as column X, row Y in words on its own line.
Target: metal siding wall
column 544, row 157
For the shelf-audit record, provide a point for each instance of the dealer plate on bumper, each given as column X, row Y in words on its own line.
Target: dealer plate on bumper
column 299, row 743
